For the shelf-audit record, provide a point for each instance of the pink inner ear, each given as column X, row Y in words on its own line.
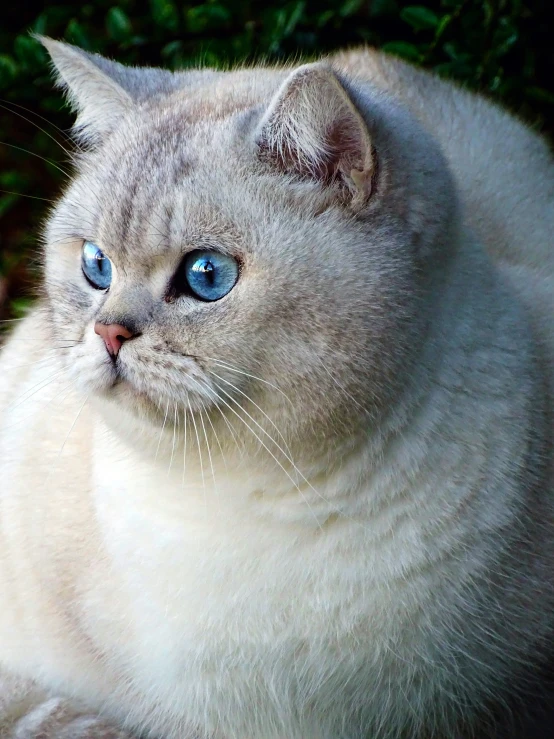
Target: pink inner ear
column 314, row 130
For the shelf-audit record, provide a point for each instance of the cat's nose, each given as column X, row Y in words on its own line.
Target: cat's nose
column 114, row 334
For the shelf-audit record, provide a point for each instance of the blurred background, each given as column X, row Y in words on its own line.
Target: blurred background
column 503, row 48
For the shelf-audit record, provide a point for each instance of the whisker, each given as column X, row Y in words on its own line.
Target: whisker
column 162, row 430
column 209, row 453
column 24, row 195
column 256, row 406
column 174, row 437
column 215, row 397
column 34, row 363
column 32, row 112
column 228, row 395
column 217, row 438
column 20, row 115
column 32, row 153
column 289, row 459
column 231, row 368
column 229, row 426
column 73, row 425
column 273, row 456
column 36, row 389
column 65, row 391
column 200, row 458
column 60, row 452
column 184, row 444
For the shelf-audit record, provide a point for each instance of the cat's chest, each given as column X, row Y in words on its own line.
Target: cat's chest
column 205, row 583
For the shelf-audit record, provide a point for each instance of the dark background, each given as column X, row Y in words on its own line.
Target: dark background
column 503, row 48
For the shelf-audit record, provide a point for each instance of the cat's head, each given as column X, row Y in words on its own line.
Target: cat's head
column 252, row 243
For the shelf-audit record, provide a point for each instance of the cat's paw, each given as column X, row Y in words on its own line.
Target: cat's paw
column 54, row 719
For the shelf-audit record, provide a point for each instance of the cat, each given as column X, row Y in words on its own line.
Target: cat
column 276, row 442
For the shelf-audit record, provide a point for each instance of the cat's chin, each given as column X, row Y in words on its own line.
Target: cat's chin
column 123, row 393
column 108, row 383
column 123, row 405
column 122, row 396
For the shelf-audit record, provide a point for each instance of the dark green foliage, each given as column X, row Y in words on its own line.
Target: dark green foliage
column 500, row 47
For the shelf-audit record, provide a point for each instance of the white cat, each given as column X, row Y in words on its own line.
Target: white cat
column 276, row 444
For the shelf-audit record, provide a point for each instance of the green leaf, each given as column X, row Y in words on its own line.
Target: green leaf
column 29, row 52
column 324, row 18
column 443, row 24
column 350, row 7
column 455, row 53
column 6, row 202
column 539, row 93
column 165, row 15
column 382, row 8
column 504, row 37
column 294, row 18
column 173, row 54
column 419, row 17
column 41, row 23
column 75, row 33
column 12, row 179
column 8, row 70
column 404, row 50
column 118, row 24
column 209, row 15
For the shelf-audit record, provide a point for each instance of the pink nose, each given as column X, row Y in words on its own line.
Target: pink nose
column 114, row 335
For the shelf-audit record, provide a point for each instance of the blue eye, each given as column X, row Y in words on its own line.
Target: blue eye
column 209, row 274
column 97, row 268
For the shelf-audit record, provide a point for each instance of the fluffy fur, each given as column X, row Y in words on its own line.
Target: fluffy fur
column 321, row 507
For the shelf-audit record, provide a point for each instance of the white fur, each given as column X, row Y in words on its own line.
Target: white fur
column 214, row 588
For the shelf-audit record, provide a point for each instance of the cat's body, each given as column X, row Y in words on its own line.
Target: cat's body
column 400, row 580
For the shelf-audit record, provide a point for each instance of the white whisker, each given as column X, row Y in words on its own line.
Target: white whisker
column 216, row 398
column 162, row 430
column 231, row 368
column 184, row 445
column 73, row 426
column 217, row 438
column 37, row 388
column 199, row 457
column 271, row 453
column 59, row 398
column 256, row 406
column 44, row 131
column 287, row 457
column 175, row 420
column 209, row 454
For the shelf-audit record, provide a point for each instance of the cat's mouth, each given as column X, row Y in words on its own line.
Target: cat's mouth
column 131, row 385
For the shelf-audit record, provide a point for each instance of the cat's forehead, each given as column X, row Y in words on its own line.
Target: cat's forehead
column 196, row 114
column 163, row 178
column 154, row 218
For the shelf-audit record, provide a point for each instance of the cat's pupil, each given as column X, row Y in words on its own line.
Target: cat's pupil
column 207, row 269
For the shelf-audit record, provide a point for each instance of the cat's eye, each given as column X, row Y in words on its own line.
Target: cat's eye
column 206, row 274
column 97, row 268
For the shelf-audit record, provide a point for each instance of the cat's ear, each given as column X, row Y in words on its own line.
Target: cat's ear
column 313, row 129
column 92, row 86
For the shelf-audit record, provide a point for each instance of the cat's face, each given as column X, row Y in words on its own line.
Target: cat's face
column 261, row 241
